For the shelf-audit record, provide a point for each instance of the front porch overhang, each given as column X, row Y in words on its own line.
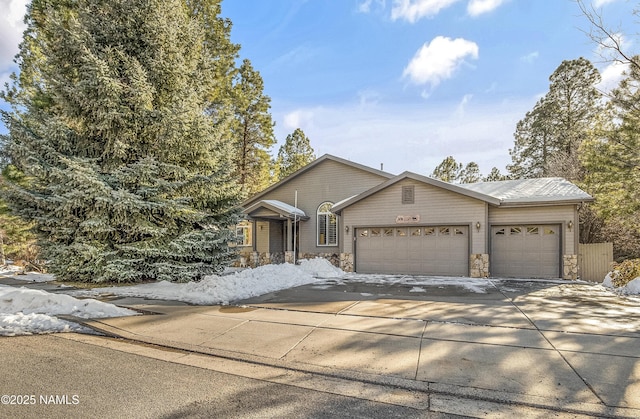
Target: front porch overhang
column 271, row 209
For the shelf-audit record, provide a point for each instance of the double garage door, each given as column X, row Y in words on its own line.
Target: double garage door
column 522, row 251
column 439, row 250
column 525, row 251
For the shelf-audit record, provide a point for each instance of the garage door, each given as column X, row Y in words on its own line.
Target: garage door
column 525, row 251
column 442, row 250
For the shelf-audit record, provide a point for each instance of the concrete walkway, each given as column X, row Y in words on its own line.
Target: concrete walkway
column 565, row 349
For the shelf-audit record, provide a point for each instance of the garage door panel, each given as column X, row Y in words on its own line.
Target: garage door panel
column 414, row 250
column 531, row 251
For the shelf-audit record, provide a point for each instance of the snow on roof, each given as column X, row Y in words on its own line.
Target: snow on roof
column 284, row 207
column 523, row 191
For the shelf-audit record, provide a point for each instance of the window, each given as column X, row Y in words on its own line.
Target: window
column 388, row 232
column 532, row 231
column 364, row 232
column 243, row 234
column 327, row 226
column 515, row 231
column 458, row 232
column 375, row 232
column 445, row 231
column 429, row 231
column 416, row 232
column 408, row 194
column 548, row 231
column 401, row 232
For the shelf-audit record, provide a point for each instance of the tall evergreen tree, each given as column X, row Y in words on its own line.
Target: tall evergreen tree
column 548, row 138
column 612, row 159
column 128, row 173
column 252, row 129
column 295, row 153
column 534, row 143
column 223, row 55
column 448, row 170
column 495, row 176
column 470, row 173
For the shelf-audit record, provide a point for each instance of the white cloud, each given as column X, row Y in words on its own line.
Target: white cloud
column 600, row 3
column 460, row 110
column 11, row 28
column 414, row 10
column 438, row 60
column 365, row 6
column 412, row 137
column 479, row 7
column 531, row 57
column 298, row 119
column 611, row 76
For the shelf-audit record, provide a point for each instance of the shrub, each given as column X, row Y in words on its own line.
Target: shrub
column 625, row 272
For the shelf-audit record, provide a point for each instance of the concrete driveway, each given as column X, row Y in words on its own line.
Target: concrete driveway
column 572, row 348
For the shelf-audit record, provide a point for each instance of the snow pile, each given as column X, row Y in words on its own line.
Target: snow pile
column 320, row 268
column 632, row 287
column 223, row 289
column 26, row 311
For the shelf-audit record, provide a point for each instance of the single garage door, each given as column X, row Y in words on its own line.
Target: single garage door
column 441, row 250
column 525, row 251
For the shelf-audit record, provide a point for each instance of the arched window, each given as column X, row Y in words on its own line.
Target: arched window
column 327, row 225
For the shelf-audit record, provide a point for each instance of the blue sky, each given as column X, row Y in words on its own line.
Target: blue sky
column 401, row 82
column 407, row 83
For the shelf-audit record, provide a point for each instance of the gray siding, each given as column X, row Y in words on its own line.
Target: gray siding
column 434, row 205
column 560, row 214
column 262, row 236
column 276, row 237
column 329, row 181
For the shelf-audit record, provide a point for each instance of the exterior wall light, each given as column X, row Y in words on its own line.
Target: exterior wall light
column 346, row 229
column 570, row 225
column 478, row 226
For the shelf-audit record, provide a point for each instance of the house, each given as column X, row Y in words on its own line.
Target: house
column 369, row 221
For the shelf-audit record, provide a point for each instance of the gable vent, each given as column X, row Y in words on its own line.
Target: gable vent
column 408, row 194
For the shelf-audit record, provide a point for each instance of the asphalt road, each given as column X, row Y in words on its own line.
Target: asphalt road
column 54, row 377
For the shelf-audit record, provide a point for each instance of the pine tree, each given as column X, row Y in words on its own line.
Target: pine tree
column 495, row 176
column 612, row 158
column 127, row 163
column 253, row 130
column 448, row 170
column 548, row 138
column 17, row 241
column 294, row 154
column 534, row 142
column 470, row 173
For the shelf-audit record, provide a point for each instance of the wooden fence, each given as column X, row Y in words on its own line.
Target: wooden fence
column 594, row 261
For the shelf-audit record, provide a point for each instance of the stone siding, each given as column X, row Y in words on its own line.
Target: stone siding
column 570, row 267
column 479, row 263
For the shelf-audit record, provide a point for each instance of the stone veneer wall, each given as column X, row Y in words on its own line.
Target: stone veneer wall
column 479, row 263
column 570, row 267
column 346, row 262
column 255, row 259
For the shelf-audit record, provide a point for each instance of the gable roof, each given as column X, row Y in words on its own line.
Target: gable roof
column 552, row 190
column 309, row 167
column 541, row 191
column 278, row 209
column 337, row 208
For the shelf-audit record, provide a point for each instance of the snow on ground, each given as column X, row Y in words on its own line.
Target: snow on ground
column 26, row 311
column 633, row 287
column 223, row 289
column 477, row 285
